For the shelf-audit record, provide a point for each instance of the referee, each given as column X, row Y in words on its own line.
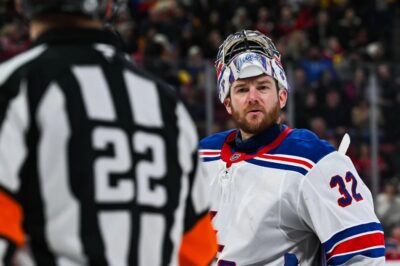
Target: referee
column 98, row 161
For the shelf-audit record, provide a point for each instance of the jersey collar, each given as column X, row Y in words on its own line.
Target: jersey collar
column 254, row 143
column 266, row 141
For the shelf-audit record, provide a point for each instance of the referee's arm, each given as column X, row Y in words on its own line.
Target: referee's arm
column 13, row 124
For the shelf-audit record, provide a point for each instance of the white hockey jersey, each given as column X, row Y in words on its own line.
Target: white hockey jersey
column 295, row 201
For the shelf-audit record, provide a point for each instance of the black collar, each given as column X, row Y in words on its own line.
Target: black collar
column 75, row 35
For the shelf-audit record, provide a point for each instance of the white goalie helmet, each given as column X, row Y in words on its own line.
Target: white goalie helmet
column 247, row 54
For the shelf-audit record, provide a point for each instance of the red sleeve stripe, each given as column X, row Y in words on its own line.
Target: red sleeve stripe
column 358, row 243
column 209, row 153
column 352, row 237
column 291, row 160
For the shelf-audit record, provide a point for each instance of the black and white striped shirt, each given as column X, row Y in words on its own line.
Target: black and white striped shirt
column 98, row 161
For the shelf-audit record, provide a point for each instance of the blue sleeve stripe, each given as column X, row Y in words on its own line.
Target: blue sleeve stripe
column 209, row 159
column 278, row 166
column 362, row 228
column 371, row 253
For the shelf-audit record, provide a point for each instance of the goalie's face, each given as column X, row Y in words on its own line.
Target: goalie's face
column 255, row 104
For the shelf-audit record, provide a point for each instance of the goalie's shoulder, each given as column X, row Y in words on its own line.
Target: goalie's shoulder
column 216, row 141
column 305, row 144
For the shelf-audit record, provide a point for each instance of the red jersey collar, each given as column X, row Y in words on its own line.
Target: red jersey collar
column 230, row 158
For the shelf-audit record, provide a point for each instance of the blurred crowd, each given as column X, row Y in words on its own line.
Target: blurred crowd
column 334, row 50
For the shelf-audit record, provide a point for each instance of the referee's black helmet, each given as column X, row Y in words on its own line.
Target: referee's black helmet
column 96, row 9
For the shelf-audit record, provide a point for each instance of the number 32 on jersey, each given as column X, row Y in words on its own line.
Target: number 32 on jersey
column 347, row 197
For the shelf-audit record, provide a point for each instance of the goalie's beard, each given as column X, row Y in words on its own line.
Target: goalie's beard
column 250, row 126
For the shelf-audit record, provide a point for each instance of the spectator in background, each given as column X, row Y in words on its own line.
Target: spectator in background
column 240, row 20
column 300, row 85
column 376, row 52
column 318, row 126
column 383, row 22
column 179, row 17
column 3, row 10
column 356, row 90
column 213, row 21
column 388, row 205
column 194, row 101
column 348, row 28
column 321, row 30
column 296, row 45
column 286, row 22
column 307, row 109
column 333, row 51
column 305, row 18
column 195, row 65
column 362, row 161
column 252, row 7
column 210, row 47
column 393, row 244
column 360, row 116
column 264, row 23
column 127, row 31
column 387, row 99
column 13, row 40
column 187, row 39
column 334, row 111
column 326, row 83
column 7, row 12
column 314, row 65
column 158, row 58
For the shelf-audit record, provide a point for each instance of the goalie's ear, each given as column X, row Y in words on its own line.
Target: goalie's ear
column 344, row 144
